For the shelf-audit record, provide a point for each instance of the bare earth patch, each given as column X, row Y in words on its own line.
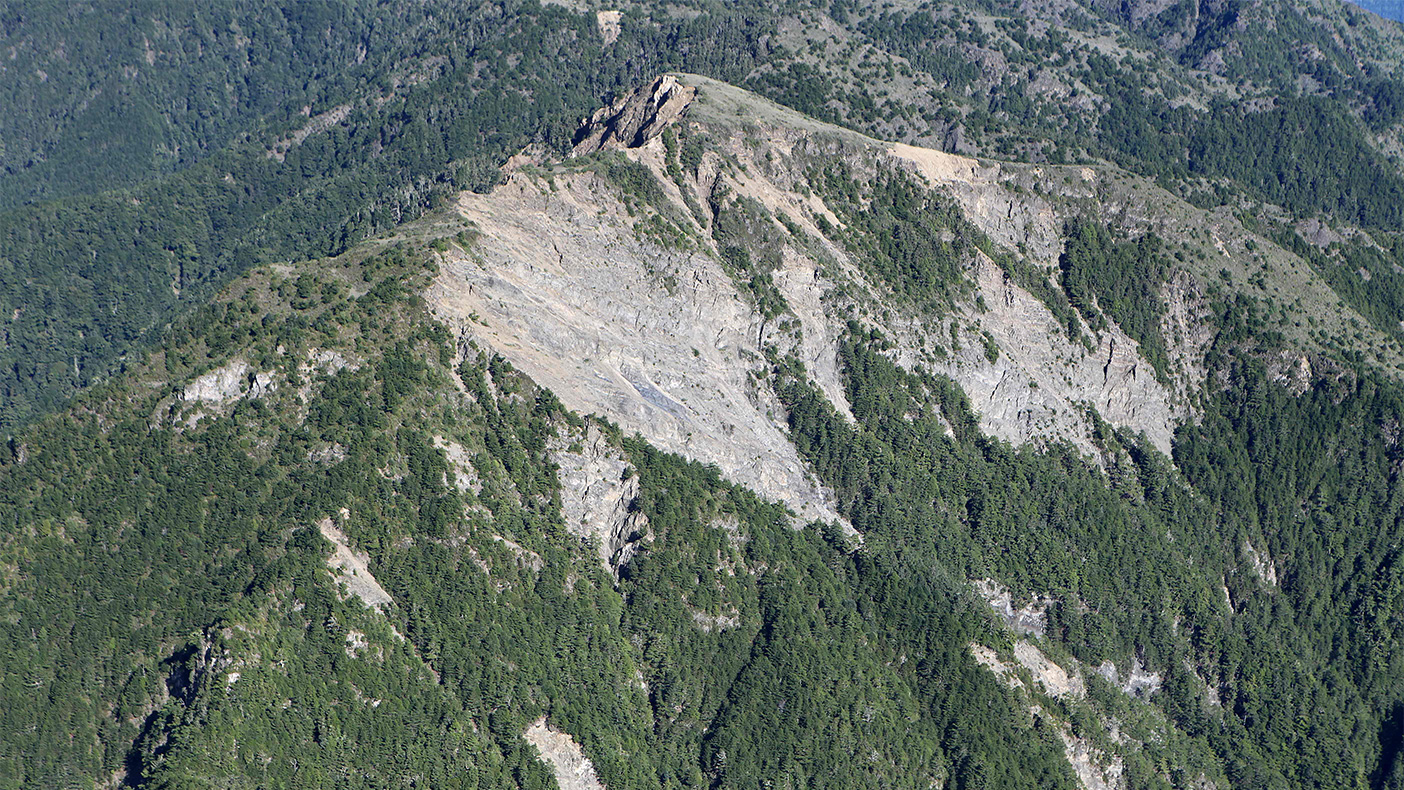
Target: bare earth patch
column 352, row 568
column 572, row 768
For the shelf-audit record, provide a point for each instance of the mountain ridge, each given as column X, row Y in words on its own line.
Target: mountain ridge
column 714, row 445
column 1023, row 218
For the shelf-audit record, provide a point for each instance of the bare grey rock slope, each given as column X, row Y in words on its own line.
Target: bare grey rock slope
column 623, row 307
column 656, row 337
column 658, row 341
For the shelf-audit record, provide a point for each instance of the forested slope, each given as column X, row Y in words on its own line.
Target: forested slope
column 177, row 614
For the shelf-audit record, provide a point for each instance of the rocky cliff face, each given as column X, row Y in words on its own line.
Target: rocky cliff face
column 657, row 340
column 635, row 118
column 598, row 496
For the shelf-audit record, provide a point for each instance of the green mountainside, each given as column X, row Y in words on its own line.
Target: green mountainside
column 187, row 576
column 942, row 395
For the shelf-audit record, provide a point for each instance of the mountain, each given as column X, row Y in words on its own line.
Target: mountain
column 260, row 133
column 546, row 411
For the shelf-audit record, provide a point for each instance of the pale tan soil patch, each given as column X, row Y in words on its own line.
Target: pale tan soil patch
column 352, row 568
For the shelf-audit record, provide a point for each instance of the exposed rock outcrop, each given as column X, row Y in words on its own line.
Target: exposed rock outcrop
column 1051, row 679
column 219, row 385
column 1042, row 381
column 708, row 623
column 560, row 752
column 636, row 118
column 1188, row 329
column 462, row 474
column 1028, row 620
column 1261, row 563
column 1095, row 768
column 1040, row 386
column 352, row 568
column 609, row 25
column 229, row 382
column 598, row 493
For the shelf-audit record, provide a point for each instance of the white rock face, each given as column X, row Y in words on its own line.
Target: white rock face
column 1042, row 382
column 220, row 385
column 638, row 117
column 804, row 285
column 1056, row 681
column 1031, row 620
column 1187, row 328
column 597, row 491
column 216, row 392
column 1044, row 376
column 263, row 384
column 1008, row 219
column 989, row 659
column 1140, row 681
column 460, row 462
column 708, row 623
column 563, row 755
column 228, row 383
column 608, row 22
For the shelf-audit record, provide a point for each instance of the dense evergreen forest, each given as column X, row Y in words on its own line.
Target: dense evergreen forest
column 1296, row 671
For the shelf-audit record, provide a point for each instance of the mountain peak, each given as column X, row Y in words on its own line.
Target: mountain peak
column 634, row 118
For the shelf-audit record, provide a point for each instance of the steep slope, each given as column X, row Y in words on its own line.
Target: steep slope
column 666, row 336
column 147, row 168
column 316, row 542
column 620, row 278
